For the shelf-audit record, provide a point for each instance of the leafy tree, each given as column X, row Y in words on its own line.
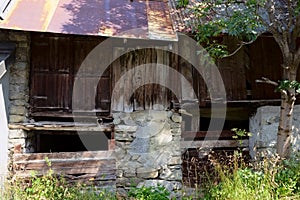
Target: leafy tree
column 246, row 20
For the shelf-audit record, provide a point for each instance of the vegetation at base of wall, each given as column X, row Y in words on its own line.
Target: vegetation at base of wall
column 268, row 179
column 149, row 193
column 50, row 187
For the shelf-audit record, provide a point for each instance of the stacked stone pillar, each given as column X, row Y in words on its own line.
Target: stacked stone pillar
column 148, row 150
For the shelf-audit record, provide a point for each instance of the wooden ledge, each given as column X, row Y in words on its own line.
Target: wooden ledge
column 61, row 126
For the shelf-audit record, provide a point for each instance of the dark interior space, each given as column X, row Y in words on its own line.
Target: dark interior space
column 72, row 141
column 228, row 124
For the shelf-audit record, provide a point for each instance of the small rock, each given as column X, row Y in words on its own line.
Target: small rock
column 147, row 172
column 176, row 118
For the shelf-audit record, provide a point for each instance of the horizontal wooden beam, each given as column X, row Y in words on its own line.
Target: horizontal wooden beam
column 77, row 173
column 190, row 135
column 57, row 114
column 96, row 155
column 38, row 164
column 53, row 127
column 213, row 144
column 83, row 166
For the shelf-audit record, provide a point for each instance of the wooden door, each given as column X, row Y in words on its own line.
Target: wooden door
column 55, row 60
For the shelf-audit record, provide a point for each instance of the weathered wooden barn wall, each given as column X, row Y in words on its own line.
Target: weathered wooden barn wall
column 266, row 62
column 233, row 70
column 55, row 60
column 96, row 168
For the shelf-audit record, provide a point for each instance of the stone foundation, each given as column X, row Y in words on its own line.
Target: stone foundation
column 21, row 141
column 264, row 125
column 148, row 150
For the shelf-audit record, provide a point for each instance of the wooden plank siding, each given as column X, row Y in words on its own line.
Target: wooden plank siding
column 265, row 60
column 55, row 60
column 232, row 70
column 97, row 167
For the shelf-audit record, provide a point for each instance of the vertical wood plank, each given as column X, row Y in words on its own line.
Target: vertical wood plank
column 129, row 65
column 186, row 68
column 117, row 67
column 139, row 80
column 174, row 63
column 150, row 72
column 232, row 70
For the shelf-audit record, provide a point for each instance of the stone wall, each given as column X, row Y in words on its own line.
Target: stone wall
column 264, row 125
column 18, row 95
column 19, row 77
column 148, row 150
column 21, row 141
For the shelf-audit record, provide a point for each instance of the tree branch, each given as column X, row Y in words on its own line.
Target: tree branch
column 266, row 80
column 240, row 46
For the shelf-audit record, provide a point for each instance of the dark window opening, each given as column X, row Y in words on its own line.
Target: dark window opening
column 54, row 141
column 228, row 124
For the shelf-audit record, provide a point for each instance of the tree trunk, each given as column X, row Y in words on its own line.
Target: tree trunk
column 288, row 99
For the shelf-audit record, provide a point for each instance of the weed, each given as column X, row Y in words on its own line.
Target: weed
column 271, row 179
column 149, row 193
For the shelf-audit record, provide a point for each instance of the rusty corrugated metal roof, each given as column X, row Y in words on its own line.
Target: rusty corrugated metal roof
column 119, row 18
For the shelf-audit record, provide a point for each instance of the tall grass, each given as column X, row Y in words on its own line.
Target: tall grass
column 269, row 179
column 51, row 187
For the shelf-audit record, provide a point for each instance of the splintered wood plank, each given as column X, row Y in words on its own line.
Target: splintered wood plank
column 93, row 155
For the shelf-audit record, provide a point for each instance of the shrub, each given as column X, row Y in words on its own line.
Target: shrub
column 149, row 193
